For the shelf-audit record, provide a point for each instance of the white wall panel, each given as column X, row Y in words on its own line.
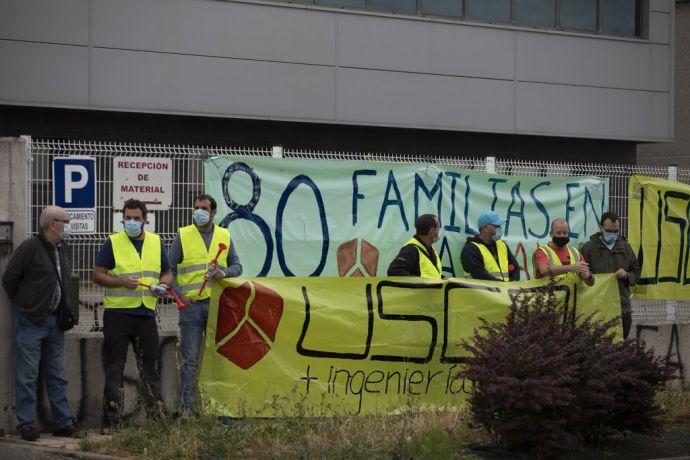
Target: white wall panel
column 55, row 21
column 591, row 112
column 660, row 5
column 214, row 28
column 396, row 98
column 43, row 73
column 169, row 82
column 586, row 61
column 423, row 46
column 659, row 27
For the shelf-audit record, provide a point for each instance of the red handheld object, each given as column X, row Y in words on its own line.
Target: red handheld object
column 221, row 247
column 171, row 292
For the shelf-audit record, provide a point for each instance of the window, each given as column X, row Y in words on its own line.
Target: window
column 538, row 13
column 606, row 17
column 619, row 17
column 579, row 15
column 397, row 6
column 451, row 8
column 489, row 10
column 342, row 3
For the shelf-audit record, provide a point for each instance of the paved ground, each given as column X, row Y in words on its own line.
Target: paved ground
column 47, row 447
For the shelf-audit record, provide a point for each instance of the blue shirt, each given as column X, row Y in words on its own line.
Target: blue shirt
column 106, row 259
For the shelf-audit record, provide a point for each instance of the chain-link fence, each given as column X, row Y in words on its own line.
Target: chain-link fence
column 188, row 181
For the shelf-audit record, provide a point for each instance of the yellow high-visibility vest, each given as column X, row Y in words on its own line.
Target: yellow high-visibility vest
column 555, row 260
column 197, row 259
column 497, row 270
column 426, row 268
column 146, row 267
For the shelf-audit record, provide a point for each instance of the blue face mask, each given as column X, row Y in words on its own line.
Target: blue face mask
column 498, row 235
column 201, row 217
column 133, row 228
column 609, row 237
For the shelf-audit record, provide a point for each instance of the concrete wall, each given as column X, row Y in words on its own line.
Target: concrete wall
column 13, row 206
column 281, row 61
column 677, row 152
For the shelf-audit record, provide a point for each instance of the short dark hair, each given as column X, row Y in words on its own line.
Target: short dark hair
column 425, row 223
column 608, row 215
column 134, row 204
column 210, row 199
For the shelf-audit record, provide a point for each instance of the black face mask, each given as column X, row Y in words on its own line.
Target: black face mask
column 560, row 241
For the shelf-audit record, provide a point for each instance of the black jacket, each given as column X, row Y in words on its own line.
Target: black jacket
column 473, row 262
column 406, row 263
column 603, row 260
column 31, row 276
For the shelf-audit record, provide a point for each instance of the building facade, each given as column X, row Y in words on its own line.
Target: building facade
column 536, row 79
column 678, row 151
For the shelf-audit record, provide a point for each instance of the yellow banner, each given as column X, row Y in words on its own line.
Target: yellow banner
column 659, row 231
column 320, row 346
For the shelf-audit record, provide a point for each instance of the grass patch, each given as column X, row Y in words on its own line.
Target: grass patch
column 675, row 408
column 428, row 435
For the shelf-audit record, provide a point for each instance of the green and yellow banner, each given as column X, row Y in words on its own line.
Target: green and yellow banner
column 306, row 217
column 322, row 346
column 659, row 232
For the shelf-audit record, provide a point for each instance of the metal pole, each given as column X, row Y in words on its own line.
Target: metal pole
column 491, row 165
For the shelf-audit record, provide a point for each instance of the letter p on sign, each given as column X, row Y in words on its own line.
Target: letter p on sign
column 74, row 182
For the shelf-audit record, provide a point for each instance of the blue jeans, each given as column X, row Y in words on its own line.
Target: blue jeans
column 41, row 345
column 192, row 326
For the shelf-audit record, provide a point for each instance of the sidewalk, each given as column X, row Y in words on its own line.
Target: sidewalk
column 48, row 447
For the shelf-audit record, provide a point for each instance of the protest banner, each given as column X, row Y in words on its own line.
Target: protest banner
column 659, row 231
column 304, row 217
column 322, row 346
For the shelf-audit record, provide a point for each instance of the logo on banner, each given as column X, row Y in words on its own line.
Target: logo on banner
column 248, row 318
column 357, row 258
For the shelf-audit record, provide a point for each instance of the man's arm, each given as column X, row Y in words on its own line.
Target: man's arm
column 105, row 260
column 406, row 263
column 166, row 276
column 234, row 268
column 15, row 269
column 514, row 274
column 634, row 267
column 473, row 263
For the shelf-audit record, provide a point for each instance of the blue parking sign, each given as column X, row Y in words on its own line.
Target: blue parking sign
column 74, row 182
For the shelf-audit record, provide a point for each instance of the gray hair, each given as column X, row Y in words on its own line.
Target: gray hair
column 49, row 214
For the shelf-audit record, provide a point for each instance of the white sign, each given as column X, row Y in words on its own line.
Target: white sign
column 82, row 221
column 118, row 226
column 74, row 189
column 143, row 178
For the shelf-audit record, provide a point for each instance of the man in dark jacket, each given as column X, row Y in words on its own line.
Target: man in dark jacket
column 608, row 252
column 486, row 256
column 418, row 257
column 36, row 282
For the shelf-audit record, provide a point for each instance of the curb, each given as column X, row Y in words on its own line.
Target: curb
column 14, row 448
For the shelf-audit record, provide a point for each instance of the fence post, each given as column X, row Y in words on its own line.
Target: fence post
column 490, row 165
column 671, row 305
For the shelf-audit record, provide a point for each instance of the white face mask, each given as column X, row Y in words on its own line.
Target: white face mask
column 66, row 230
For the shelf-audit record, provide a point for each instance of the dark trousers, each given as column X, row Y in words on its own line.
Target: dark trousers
column 119, row 330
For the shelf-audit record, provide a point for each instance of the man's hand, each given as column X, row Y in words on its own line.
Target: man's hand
column 586, row 275
column 580, row 267
column 621, row 274
column 216, row 274
column 186, row 300
column 130, row 283
column 159, row 290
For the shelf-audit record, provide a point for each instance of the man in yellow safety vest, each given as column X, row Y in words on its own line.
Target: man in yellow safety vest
column 192, row 252
column 559, row 260
column 133, row 267
column 417, row 257
column 486, row 256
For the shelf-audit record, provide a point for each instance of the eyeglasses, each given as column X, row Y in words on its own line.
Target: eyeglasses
column 62, row 220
